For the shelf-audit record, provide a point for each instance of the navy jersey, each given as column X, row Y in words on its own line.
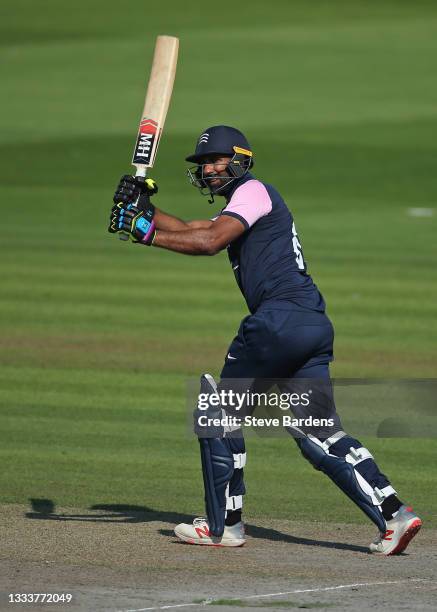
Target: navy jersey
column 267, row 259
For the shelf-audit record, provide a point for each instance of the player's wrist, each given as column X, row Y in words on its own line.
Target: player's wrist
column 143, row 225
column 148, row 237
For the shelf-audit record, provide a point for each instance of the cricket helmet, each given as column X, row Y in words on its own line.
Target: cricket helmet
column 220, row 140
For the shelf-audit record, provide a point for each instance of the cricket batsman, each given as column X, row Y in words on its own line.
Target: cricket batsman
column 287, row 334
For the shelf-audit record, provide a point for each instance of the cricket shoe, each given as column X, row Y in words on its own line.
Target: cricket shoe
column 400, row 530
column 198, row 533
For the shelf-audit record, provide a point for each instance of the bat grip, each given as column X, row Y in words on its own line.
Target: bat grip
column 141, row 176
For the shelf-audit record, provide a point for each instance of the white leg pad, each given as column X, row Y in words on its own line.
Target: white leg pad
column 377, row 495
column 239, row 460
column 382, row 494
column 332, row 440
column 356, row 455
column 233, row 502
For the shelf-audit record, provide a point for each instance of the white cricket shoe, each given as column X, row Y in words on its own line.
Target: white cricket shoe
column 198, row 533
column 400, row 530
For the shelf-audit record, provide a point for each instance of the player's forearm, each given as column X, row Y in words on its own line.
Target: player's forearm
column 164, row 221
column 190, row 242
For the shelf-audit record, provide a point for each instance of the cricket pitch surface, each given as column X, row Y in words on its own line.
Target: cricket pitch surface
column 120, row 558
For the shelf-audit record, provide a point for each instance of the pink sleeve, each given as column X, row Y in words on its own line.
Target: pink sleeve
column 249, row 203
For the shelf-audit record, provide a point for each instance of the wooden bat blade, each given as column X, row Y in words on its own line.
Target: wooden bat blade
column 156, row 104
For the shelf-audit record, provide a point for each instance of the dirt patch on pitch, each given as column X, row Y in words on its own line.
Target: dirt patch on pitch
column 116, row 558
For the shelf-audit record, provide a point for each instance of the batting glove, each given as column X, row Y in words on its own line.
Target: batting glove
column 133, row 211
column 130, row 188
column 138, row 222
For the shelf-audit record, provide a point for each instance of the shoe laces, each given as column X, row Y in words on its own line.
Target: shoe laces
column 199, row 520
column 380, row 537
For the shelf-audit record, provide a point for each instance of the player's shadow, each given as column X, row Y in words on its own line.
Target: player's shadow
column 278, row 536
column 272, row 534
column 45, row 509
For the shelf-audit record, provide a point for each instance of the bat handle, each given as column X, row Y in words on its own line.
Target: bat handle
column 140, row 175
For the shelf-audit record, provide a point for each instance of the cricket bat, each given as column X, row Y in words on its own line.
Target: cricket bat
column 158, row 95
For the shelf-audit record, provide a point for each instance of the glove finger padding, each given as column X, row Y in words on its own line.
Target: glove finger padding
column 112, row 228
column 128, row 182
column 127, row 190
column 125, row 195
column 133, row 187
column 145, row 185
column 121, row 218
column 132, row 210
column 113, row 224
column 115, row 210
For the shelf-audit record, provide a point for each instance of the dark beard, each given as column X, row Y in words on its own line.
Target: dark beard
column 221, row 188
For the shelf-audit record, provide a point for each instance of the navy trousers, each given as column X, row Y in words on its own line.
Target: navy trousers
column 283, row 341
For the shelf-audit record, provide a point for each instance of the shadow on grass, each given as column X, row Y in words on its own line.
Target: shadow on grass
column 45, row 509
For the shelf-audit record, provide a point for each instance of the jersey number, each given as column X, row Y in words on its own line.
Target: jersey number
column 297, row 248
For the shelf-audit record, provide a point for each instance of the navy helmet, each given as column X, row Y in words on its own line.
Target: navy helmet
column 225, row 141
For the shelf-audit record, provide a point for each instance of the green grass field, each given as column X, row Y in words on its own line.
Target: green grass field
column 339, row 101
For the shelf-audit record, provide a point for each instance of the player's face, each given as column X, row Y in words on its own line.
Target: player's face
column 215, row 166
